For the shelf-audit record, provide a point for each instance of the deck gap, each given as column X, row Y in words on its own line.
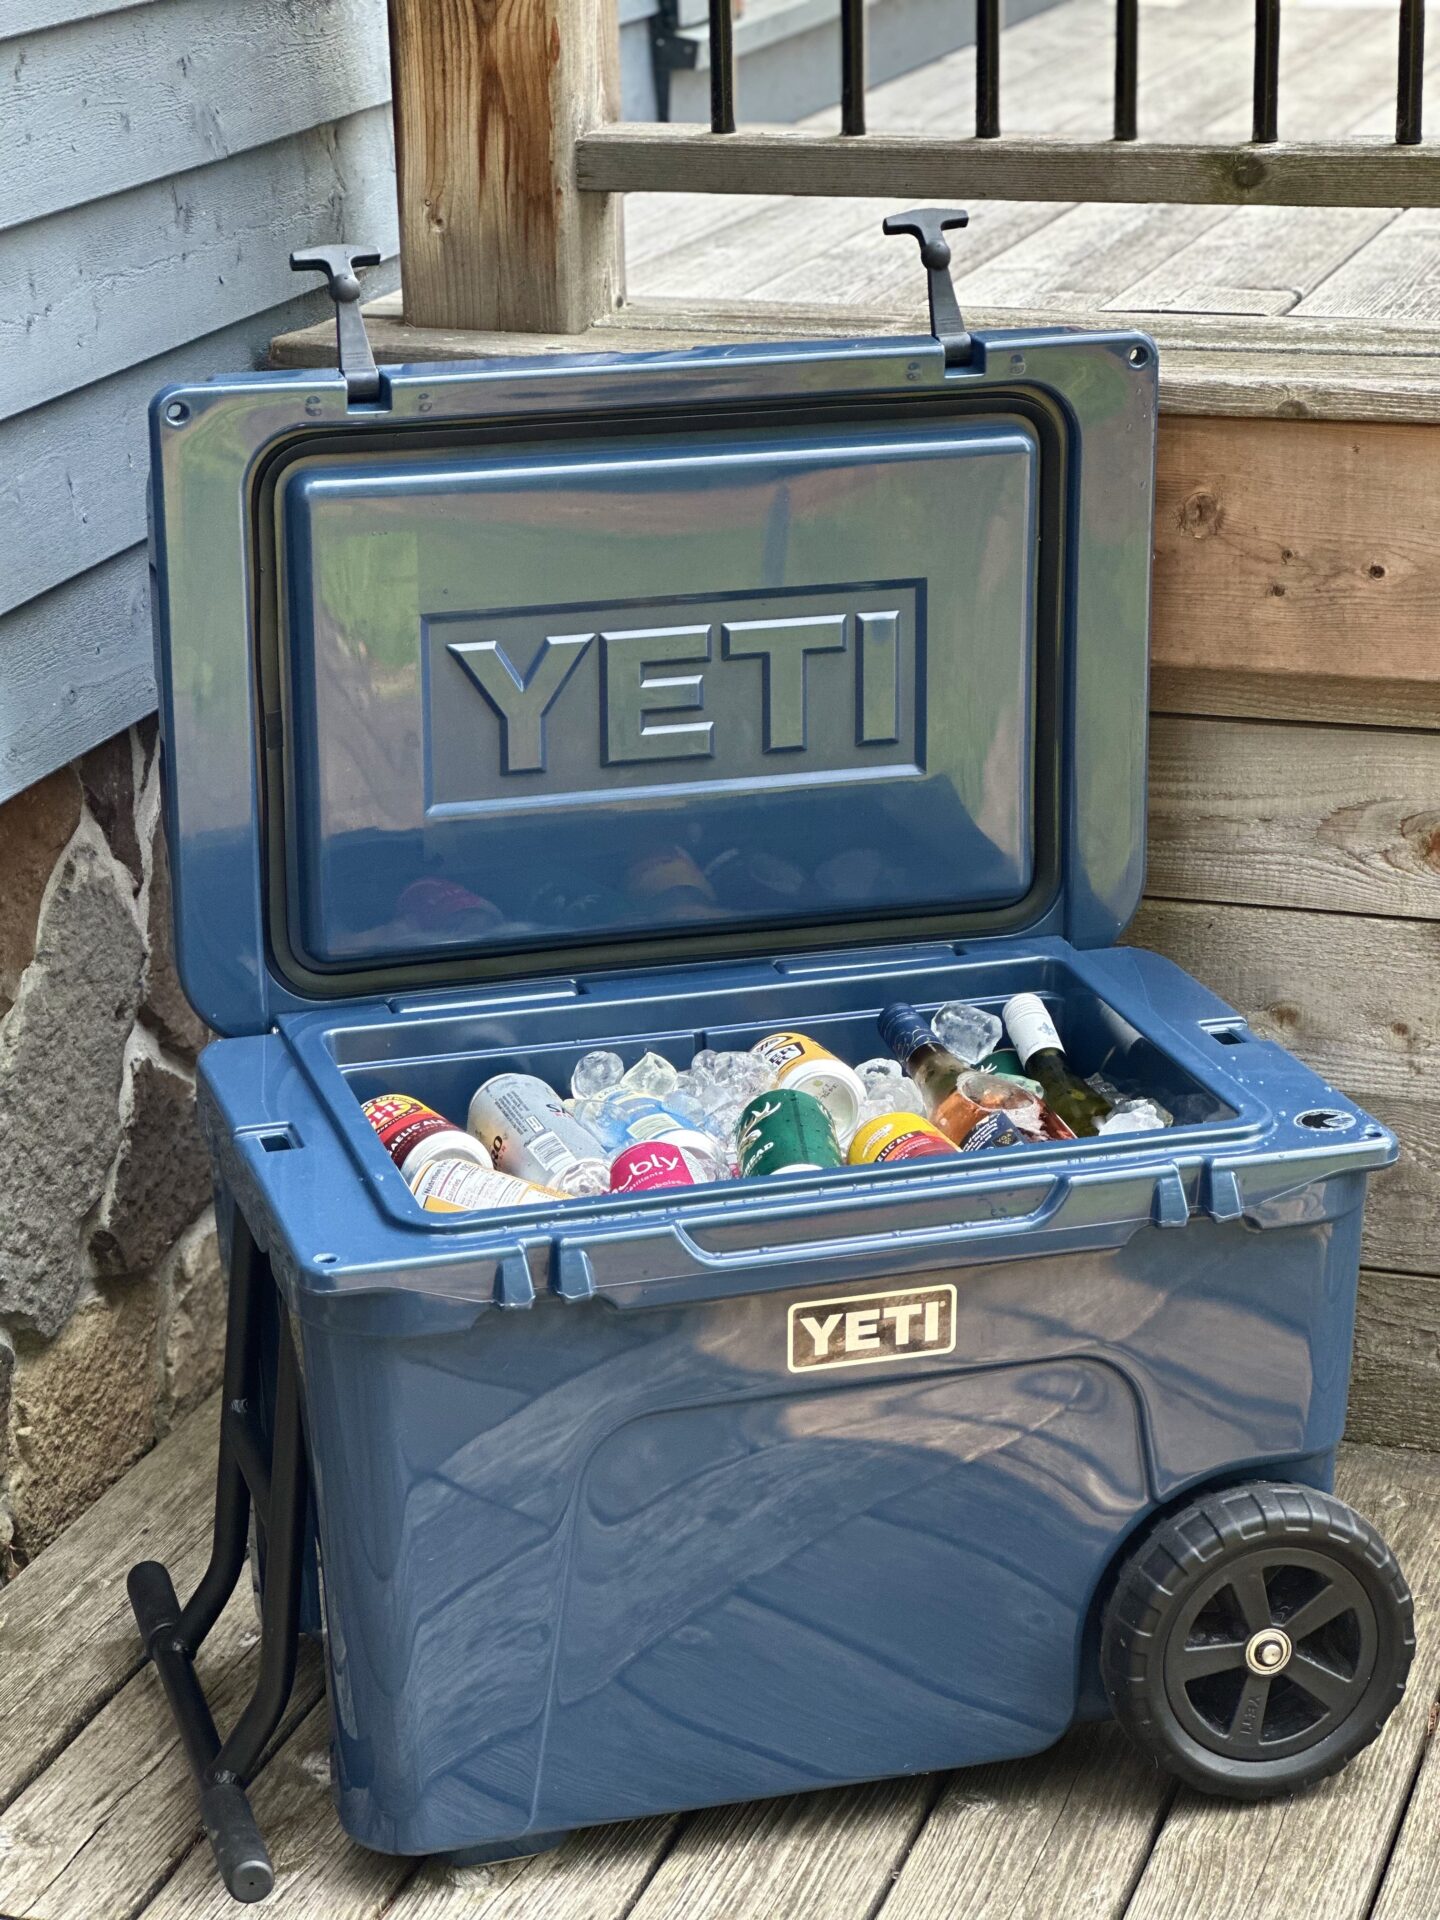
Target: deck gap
column 1157, row 1826
column 938, row 1784
column 1397, row 1827
column 662, row 1854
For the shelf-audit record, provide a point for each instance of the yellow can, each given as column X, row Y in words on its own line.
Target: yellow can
column 897, row 1136
column 803, row 1065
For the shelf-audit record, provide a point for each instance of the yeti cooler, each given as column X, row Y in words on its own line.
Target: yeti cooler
column 659, row 701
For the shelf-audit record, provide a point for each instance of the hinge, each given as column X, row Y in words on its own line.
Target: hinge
column 929, row 226
column 338, row 264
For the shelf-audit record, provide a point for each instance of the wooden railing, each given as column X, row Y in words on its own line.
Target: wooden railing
column 511, row 153
column 1341, row 173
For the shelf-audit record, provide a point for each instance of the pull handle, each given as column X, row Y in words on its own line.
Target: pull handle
column 929, row 225
column 338, row 264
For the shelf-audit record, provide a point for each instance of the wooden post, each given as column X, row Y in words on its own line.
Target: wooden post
column 490, row 97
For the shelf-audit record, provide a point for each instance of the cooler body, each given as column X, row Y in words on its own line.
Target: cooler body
column 659, row 702
column 792, row 1482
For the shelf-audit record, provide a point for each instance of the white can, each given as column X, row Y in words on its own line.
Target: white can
column 799, row 1062
column 453, row 1185
column 522, row 1124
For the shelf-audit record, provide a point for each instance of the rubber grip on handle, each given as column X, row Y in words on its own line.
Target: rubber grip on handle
column 153, row 1600
column 235, row 1840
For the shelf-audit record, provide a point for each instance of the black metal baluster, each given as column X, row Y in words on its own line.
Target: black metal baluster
column 1265, row 126
column 1408, row 105
column 1127, row 66
column 852, row 66
column 722, row 68
column 987, row 69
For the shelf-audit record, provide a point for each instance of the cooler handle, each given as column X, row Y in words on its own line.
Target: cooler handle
column 652, row 1265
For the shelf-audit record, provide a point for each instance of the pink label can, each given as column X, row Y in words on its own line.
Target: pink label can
column 648, row 1164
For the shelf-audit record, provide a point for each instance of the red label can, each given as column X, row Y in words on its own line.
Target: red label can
column 650, row 1163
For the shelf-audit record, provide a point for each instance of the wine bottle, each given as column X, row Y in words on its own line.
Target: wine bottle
column 1032, row 1032
column 938, row 1074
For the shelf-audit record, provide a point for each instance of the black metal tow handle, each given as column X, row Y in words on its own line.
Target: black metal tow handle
column 240, row 1852
column 338, row 264
column 929, row 225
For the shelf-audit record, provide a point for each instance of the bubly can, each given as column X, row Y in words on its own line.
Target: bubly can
column 523, row 1125
column 655, row 1163
column 460, row 1186
column 799, row 1062
column 414, row 1134
column 897, row 1136
column 786, row 1131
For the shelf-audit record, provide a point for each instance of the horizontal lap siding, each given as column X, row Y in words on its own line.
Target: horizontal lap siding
column 160, row 163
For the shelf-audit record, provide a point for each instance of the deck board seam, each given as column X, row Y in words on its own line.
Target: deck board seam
column 1402, row 1810
column 938, row 1786
column 662, row 1854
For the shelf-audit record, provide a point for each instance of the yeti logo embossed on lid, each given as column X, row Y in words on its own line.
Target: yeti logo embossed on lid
column 727, row 690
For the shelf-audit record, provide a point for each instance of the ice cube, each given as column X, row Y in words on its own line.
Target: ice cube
column 652, row 1073
column 907, row 1097
column 594, row 1072
column 1136, row 1116
column 584, row 1178
column 742, row 1074
column 873, row 1073
column 969, row 1032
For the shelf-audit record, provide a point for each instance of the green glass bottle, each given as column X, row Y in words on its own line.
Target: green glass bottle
column 1033, row 1035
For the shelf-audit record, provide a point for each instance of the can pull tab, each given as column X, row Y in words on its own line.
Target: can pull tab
column 338, row 264
column 929, row 226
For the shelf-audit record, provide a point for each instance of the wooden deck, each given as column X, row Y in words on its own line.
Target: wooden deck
column 1337, row 78
column 97, row 1817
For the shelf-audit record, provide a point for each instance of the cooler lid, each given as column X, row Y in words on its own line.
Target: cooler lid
column 596, row 661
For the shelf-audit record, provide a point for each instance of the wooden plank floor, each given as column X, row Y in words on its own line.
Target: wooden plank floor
column 1337, row 77
column 97, row 1819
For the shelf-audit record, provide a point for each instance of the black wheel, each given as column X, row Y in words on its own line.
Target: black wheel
column 1258, row 1640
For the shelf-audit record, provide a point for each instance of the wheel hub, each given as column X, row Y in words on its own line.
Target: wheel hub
column 1268, row 1651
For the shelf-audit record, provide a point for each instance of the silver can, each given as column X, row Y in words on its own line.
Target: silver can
column 522, row 1124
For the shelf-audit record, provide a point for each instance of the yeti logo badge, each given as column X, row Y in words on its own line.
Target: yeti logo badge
column 860, row 1330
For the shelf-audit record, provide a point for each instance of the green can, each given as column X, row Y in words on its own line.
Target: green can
column 786, row 1131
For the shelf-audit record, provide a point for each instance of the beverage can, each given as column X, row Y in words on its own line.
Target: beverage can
column 897, row 1136
column 654, row 1163
column 802, row 1063
column 1006, row 1061
column 786, row 1131
column 414, row 1134
column 523, row 1125
column 453, row 1185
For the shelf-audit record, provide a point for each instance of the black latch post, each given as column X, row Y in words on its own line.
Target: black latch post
column 929, row 226
column 338, row 264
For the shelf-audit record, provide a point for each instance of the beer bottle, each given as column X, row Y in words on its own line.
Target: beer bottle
column 938, row 1072
column 1033, row 1033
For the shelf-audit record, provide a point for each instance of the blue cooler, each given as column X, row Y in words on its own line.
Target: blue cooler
column 655, row 702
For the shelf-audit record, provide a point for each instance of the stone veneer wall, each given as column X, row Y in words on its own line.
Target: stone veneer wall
column 111, row 1296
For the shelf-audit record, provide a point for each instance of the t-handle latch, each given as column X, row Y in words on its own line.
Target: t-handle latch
column 338, row 264
column 929, row 226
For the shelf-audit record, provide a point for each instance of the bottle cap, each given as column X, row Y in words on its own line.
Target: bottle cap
column 903, row 1030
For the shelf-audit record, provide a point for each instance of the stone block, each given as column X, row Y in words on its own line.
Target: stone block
column 165, row 1010
column 35, row 827
column 107, row 774
column 162, row 1176
column 192, row 1338
column 81, row 1411
column 62, row 1053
